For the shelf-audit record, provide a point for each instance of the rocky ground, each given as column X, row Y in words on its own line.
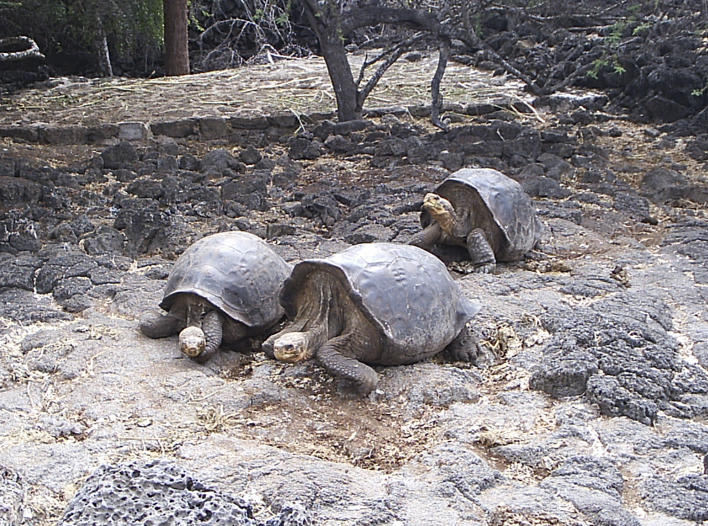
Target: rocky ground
column 588, row 406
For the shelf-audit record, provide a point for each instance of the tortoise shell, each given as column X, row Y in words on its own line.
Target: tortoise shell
column 404, row 291
column 237, row 272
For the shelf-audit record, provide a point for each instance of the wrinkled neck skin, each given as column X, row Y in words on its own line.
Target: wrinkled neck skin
column 318, row 319
column 192, row 309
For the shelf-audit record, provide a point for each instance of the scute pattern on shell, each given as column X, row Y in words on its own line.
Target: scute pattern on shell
column 510, row 206
column 406, row 292
column 237, row 272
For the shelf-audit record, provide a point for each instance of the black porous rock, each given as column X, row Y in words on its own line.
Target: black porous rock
column 594, row 486
column 8, row 167
column 17, row 190
column 220, row 163
column 690, row 238
column 18, row 233
column 152, row 493
column 590, row 286
column 665, row 110
column 249, row 190
column 323, row 207
column 304, row 148
column 71, row 293
column 146, row 186
column 697, row 148
column 105, row 240
column 461, row 469
column 685, row 498
column 189, row 162
column 24, row 306
column 121, row 155
column 167, row 164
column 145, row 226
column 340, row 144
column 663, row 184
column 369, row 233
column 61, row 262
column 568, row 376
column 543, row 186
column 161, row 492
column 634, row 205
column 639, row 369
column 250, row 155
column 18, row 271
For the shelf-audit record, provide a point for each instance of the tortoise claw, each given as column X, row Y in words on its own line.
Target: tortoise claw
column 484, row 269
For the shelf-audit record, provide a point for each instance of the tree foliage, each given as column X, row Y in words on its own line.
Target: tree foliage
column 132, row 28
column 233, row 32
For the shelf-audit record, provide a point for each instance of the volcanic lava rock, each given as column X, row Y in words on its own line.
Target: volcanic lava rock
column 157, row 492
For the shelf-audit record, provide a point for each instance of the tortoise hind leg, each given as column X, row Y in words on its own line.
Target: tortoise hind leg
column 331, row 357
column 155, row 325
column 480, row 251
column 465, row 347
column 427, row 237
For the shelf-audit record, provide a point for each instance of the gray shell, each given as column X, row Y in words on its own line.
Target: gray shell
column 406, row 292
column 511, row 208
column 236, row 272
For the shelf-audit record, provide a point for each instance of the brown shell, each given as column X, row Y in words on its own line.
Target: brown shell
column 404, row 291
column 511, row 208
column 236, row 272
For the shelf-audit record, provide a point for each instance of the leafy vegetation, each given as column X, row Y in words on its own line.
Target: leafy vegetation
column 132, row 29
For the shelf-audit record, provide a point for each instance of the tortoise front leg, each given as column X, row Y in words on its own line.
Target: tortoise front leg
column 331, row 357
column 213, row 333
column 480, row 251
column 155, row 325
column 427, row 237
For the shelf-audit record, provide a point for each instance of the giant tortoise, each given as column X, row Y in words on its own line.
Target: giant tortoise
column 222, row 288
column 376, row 304
column 484, row 211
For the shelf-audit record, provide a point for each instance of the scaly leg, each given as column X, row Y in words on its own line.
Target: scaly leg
column 427, row 237
column 331, row 357
column 155, row 325
column 465, row 347
column 480, row 251
column 213, row 331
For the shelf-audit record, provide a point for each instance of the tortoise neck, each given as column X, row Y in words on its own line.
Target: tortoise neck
column 447, row 220
column 320, row 310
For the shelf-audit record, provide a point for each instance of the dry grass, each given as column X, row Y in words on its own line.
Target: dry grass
column 299, row 86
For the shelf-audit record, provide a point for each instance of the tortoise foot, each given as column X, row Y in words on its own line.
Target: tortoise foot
column 464, row 348
column 486, row 268
column 155, row 325
column 368, row 384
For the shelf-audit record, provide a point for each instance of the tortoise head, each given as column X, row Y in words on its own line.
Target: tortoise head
column 441, row 211
column 293, row 347
column 192, row 341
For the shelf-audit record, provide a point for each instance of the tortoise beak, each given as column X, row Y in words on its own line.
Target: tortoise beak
column 292, row 348
column 429, row 200
column 192, row 341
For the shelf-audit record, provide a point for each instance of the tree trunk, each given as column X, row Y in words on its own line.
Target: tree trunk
column 176, row 46
column 325, row 23
column 340, row 73
column 101, row 45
